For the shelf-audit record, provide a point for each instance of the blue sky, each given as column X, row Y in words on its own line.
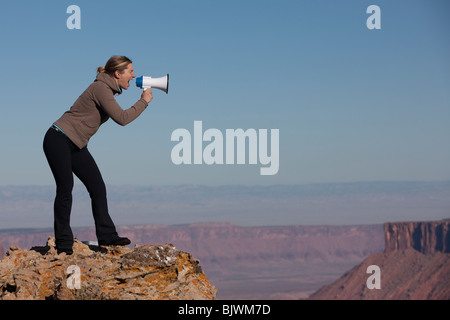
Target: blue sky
column 351, row 104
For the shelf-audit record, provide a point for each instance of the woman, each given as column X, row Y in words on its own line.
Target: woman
column 65, row 147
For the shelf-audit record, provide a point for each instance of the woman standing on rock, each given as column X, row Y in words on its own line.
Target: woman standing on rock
column 65, row 147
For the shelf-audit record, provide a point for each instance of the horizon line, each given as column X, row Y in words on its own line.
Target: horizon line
column 78, row 183
column 219, row 224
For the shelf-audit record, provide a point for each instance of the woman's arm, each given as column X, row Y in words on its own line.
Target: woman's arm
column 107, row 102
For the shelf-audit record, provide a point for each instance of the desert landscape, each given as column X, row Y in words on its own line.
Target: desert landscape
column 283, row 262
column 294, row 262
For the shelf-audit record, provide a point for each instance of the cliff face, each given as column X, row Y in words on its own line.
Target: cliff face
column 425, row 237
column 146, row 272
column 415, row 265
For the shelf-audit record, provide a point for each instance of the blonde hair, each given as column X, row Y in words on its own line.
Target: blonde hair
column 115, row 63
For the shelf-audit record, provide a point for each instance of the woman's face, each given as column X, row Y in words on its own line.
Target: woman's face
column 123, row 79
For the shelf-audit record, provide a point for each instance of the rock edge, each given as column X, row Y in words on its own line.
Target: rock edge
column 148, row 272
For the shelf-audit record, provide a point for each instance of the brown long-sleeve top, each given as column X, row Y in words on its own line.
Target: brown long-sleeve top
column 94, row 107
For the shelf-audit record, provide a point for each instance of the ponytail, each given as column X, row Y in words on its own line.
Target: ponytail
column 100, row 69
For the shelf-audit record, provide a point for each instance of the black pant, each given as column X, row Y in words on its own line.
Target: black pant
column 64, row 157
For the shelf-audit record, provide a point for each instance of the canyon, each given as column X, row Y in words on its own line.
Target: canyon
column 319, row 262
column 267, row 262
column 415, row 265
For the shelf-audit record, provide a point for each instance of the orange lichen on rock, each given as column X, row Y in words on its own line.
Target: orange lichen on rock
column 149, row 272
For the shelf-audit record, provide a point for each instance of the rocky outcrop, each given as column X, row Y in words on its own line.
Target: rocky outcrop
column 147, row 272
column 425, row 237
column 414, row 266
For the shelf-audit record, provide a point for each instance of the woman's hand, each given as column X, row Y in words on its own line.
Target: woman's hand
column 147, row 95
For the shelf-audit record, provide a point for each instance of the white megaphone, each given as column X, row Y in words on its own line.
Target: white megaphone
column 149, row 82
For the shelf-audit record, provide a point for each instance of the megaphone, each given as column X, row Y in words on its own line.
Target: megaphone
column 149, row 82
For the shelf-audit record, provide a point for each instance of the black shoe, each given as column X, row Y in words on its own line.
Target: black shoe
column 67, row 251
column 119, row 241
